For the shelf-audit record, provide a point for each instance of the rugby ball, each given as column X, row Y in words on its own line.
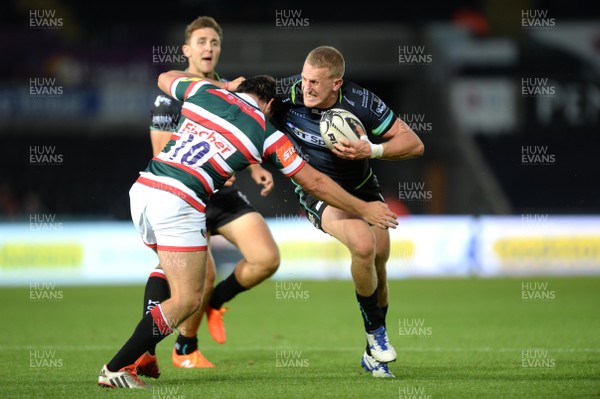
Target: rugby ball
column 337, row 123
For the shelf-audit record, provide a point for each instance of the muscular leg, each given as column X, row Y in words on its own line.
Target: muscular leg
column 382, row 254
column 369, row 249
column 356, row 235
column 253, row 238
column 186, row 272
column 251, row 235
column 189, row 327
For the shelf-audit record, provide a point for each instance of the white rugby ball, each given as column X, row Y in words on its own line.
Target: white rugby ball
column 337, row 123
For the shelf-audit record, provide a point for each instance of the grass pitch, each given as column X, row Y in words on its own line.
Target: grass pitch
column 455, row 338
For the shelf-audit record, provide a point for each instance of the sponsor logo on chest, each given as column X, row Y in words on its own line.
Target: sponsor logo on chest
column 220, row 143
column 307, row 137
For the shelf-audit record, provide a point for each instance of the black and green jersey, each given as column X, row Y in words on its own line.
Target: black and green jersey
column 301, row 124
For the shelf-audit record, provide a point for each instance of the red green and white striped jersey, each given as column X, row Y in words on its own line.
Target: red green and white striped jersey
column 219, row 134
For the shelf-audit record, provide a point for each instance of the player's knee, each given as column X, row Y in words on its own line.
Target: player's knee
column 188, row 304
column 193, row 304
column 271, row 262
column 267, row 262
column 363, row 249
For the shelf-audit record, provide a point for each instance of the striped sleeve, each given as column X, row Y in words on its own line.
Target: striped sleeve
column 280, row 152
column 183, row 87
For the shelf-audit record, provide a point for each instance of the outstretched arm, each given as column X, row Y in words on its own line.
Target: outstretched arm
column 321, row 186
column 166, row 79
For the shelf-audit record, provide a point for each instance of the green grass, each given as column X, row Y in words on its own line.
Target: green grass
column 471, row 344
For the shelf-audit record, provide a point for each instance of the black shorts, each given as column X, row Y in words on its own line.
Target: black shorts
column 314, row 207
column 226, row 205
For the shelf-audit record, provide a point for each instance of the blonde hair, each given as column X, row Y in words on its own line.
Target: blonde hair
column 200, row 23
column 327, row 57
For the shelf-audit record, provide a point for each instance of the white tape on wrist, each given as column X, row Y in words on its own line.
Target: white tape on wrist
column 376, row 149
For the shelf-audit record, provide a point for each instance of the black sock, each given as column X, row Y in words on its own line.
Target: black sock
column 225, row 291
column 384, row 309
column 185, row 345
column 146, row 334
column 371, row 313
column 157, row 290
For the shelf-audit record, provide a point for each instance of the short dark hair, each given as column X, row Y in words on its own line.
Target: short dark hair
column 262, row 86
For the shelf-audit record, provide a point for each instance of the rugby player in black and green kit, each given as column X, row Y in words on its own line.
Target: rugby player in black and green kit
column 320, row 87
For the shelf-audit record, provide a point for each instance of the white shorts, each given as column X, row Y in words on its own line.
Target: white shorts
column 165, row 221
